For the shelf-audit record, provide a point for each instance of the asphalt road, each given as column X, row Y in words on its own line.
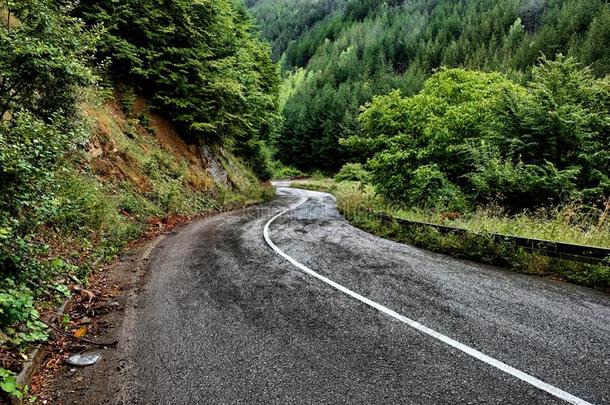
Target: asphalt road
column 225, row 319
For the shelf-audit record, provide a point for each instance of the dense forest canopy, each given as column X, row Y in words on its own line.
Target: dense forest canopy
column 283, row 22
column 360, row 49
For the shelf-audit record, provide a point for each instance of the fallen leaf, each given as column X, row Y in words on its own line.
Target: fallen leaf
column 80, row 332
column 87, row 294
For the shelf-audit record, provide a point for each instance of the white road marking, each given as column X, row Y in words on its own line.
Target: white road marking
column 418, row 326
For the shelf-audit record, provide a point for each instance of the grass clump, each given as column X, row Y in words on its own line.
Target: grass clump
column 352, row 172
column 287, row 172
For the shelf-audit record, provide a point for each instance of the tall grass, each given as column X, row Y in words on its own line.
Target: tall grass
column 572, row 223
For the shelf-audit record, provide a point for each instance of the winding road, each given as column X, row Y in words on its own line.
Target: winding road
column 287, row 303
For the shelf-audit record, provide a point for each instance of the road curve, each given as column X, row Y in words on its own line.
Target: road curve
column 223, row 318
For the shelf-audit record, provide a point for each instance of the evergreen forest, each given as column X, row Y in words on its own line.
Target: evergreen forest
column 448, row 103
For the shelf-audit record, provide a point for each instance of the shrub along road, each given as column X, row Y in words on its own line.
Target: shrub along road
column 223, row 318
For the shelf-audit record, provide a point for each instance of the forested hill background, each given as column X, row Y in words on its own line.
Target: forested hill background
column 338, row 54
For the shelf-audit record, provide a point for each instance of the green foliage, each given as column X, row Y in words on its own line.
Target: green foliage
column 429, row 188
column 318, row 175
column 8, row 383
column 283, row 22
column 135, row 204
column 259, row 158
column 479, row 137
column 42, row 62
column 161, row 165
column 19, row 319
column 285, row 172
column 352, row 172
column 44, row 56
column 200, row 62
column 128, row 100
column 352, row 50
column 42, row 59
column 145, row 121
column 82, row 208
column 28, row 148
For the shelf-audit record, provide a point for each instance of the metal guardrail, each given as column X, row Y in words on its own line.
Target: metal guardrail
column 569, row 251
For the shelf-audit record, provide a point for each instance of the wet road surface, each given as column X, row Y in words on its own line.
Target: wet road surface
column 225, row 319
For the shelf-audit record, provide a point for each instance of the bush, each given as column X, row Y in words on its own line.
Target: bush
column 424, row 187
column 8, row 384
column 482, row 136
column 19, row 320
column 82, row 207
column 29, row 150
column 352, row 172
column 160, row 165
column 258, row 156
column 43, row 59
column 286, row 172
column 521, row 186
column 318, row 175
column 430, row 188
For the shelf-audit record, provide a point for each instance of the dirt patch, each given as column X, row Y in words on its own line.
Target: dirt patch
column 13, row 22
column 169, row 138
column 167, row 135
column 199, row 169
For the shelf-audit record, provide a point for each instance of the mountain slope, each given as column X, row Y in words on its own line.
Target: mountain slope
column 360, row 49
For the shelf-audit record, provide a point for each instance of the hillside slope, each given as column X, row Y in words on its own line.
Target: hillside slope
column 133, row 172
column 134, row 177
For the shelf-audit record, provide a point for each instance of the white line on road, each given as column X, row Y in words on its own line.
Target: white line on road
column 418, row 326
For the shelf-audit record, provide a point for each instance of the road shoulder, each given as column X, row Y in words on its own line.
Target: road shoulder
column 117, row 286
